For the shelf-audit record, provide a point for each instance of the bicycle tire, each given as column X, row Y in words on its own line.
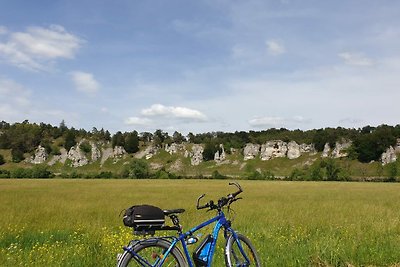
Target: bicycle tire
column 152, row 250
column 233, row 256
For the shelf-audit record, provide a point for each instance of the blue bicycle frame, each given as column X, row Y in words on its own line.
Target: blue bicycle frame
column 220, row 220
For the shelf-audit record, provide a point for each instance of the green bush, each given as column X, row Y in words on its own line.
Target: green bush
column 5, row 174
column 85, row 147
column 217, row 175
column 138, row 169
column 40, row 171
column 297, row 175
column 21, row 173
column 17, row 155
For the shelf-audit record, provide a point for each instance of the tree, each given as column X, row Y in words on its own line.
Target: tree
column 117, row 139
column 178, row 138
column 210, row 149
column 17, row 155
column 69, row 140
column 131, row 142
column 159, row 137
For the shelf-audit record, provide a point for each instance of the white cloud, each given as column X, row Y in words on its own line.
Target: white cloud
column 267, row 122
column 138, row 121
column 356, row 59
column 85, row 82
column 14, row 99
column 275, row 48
column 277, row 122
column 38, row 47
column 159, row 110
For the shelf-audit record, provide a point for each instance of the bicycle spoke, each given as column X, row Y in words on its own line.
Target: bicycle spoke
column 152, row 256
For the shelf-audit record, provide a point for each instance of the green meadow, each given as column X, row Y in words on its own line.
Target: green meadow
column 66, row 222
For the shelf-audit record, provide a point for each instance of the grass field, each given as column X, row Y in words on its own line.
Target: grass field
column 76, row 222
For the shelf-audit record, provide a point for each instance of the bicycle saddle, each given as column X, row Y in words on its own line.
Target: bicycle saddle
column 169, row 212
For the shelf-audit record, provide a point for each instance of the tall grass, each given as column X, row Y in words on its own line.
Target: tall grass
column 76, row 223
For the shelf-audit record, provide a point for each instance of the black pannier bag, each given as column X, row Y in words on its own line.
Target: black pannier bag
column 144, row 218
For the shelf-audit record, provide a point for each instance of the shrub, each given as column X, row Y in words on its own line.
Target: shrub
column 4, row 174
column 103, row 174
column 17, row 155
column 21, row 173
column 85, row 147
column 297, row 175
column 316, row 173
column 40, row 171
column 217, row 175
column 332, row 169
column 138, row 169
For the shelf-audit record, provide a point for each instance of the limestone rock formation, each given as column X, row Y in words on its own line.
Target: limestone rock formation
column 218, row 157
column 59, row 158
column 308, row 148
column 77, row 157
column 174, row 148
column 96, row 153
column 388, row 156
column 40, row 155
column 151, row 151
column 251, row 151
column 293, row 150
column 118, row 152
column 340, row 149
column 397, row 147
column 107, row 153
column 273, row 149
column 325, row 152
column 196, row 156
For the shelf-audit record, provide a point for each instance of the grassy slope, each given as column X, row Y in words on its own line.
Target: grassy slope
column 66, row 222
column 236, row 167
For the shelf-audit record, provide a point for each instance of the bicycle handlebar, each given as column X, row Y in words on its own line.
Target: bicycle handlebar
column 223, row 201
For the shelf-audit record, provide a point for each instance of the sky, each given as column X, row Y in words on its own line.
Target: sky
column 200, row 65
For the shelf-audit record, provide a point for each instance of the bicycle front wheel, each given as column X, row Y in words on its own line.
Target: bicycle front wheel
column 240, row 252
column 150, row 253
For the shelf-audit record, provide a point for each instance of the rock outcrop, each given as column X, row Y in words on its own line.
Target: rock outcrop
column 308, row 148
column 96, row 153
column 40, row 155
column 251, row 151
column 293, row 150
column 77, row 156
column 326, row 151
column 174, row 148
column 119, row 152
column 220, row 156
column 277, row 149
column 340, row 150
column 388, row 156
column 273, row 149
column 59, row 158
column 196, row 155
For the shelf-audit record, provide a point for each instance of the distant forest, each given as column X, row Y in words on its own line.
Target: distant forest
column 368, row 143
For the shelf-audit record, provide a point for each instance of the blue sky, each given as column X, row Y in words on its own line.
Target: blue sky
column 200, row 66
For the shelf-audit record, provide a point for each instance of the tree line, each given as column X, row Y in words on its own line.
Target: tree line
column 368, row 143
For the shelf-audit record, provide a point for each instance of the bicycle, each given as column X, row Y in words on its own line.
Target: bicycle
column 164, row 251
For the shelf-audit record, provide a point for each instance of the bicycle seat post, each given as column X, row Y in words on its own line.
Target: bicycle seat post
column 175, row 221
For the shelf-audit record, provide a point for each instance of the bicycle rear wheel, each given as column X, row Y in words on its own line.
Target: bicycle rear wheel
column 150, row 252
column 236, row 257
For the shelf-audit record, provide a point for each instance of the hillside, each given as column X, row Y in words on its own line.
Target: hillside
column 59, row 151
